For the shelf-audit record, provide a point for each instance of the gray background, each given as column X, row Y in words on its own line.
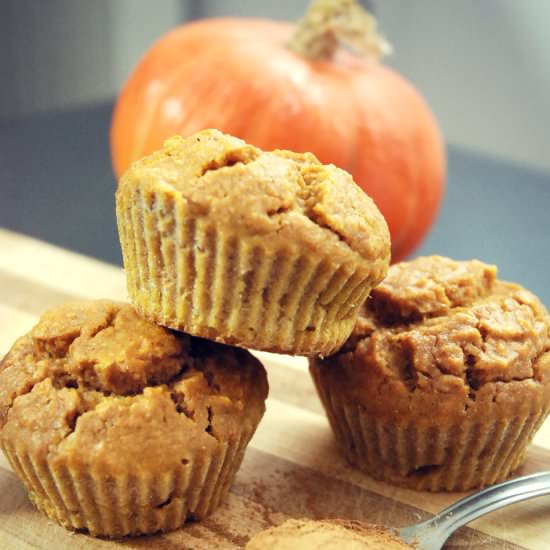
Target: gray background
column 482, row 65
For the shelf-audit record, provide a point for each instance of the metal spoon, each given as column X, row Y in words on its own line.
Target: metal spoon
column 432, row 533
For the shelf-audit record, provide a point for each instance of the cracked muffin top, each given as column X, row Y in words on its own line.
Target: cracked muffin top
column 297, row 534
column 439, row 335
column 93, row 382
column 280, row 194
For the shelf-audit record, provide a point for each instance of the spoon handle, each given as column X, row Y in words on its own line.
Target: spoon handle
column 432, row 533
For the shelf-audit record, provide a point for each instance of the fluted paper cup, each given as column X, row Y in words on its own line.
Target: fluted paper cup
column 130, row 503
column 429, row 454
column 187, row 273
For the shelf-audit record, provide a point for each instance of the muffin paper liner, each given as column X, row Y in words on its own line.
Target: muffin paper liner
column 132, row 503
column 425, row 455
column 189, row 274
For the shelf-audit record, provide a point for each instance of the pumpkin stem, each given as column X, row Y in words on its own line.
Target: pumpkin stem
column 329, row 23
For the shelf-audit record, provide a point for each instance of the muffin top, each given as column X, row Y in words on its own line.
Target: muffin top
column 297, row 534
column 93, row 382
column 285, row 196
column 440, row 335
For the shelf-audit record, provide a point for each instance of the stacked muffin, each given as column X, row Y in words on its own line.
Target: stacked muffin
column 266, row 250
column 124, row 419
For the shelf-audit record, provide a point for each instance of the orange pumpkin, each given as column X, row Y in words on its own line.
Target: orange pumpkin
column 278, row 85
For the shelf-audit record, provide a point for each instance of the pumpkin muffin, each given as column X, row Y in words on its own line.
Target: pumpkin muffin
column 266, row 250
column 444, row 380
column 121, row 427
column 306, row 534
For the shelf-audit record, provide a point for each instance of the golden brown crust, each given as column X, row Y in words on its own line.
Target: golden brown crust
column 97, row 403
column 131, row 384
column 439, row 327
column 298, row 534
column 429, row 287
column 282, row 195
column 443, row 356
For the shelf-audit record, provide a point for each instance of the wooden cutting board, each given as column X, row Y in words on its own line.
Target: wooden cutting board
column 291, row 469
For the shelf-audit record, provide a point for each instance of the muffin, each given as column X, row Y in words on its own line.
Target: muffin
column 306, row 534
column 444, row 380
column 121, row 427
column 266, row 250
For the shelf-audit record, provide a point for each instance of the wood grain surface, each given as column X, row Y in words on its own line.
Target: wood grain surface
column 292, row 467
